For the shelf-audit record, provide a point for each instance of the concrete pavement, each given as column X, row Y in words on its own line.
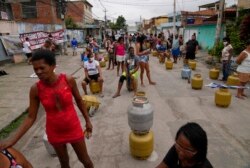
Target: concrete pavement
column 174, row 102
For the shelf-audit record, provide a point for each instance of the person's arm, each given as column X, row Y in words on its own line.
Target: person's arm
column 137, row 47
column 86, row 73
column 29, row 47
column 241, row 57
column 230, row 54
column 162, row 165
column 99, row 69
column 115, row 49
column 28, row 122
column 80, row 104
column 197, row 47
column 136, row 68
column 170, row 160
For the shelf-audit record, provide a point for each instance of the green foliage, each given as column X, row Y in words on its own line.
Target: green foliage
column 113, row 26
column 5, row 132
column 69, row 22
column 238, row 32
column 216, row 50
column 233, row 34
column 119, row 24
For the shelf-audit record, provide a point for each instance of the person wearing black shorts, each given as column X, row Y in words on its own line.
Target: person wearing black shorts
column 92, row 72
column 92, row 77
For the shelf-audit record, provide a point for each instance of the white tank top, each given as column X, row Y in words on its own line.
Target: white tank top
column 244, row 67
column 92, row 67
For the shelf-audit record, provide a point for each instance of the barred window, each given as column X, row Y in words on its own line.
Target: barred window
column 29, row 9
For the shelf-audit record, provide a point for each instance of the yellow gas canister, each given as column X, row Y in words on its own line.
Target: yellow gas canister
column 169, row 64
column 140, row 94
column 197, row 81
column 141, row 146
column 223, row 97
column 94, row 87
column 192, row 64
column 106, row 58
column 154, row 53
column 214, row 73
column 91, row 100
column 233, row 80
column 102, row 64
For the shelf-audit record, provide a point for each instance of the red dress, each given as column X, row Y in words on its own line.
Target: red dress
column 62, row 123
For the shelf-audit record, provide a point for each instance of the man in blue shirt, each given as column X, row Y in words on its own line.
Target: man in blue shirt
column 74, row 45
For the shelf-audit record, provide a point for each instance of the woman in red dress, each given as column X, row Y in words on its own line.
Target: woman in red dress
column 56, row 92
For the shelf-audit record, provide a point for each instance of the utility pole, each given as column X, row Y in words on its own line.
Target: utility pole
column 174, row 18
column 237, row 11
column 105, row 21
column 140, row 24
column 219, row 21
column 53, row 14
column 63, row 12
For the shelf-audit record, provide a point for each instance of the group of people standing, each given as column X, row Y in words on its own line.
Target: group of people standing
column 57, row 91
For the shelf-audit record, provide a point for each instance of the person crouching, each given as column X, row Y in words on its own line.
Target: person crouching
column 92, row 72
column 131, row 70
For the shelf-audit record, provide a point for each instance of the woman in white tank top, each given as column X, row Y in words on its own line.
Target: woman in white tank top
column 244, row 69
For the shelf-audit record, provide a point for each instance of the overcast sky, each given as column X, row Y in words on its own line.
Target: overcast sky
column 133, row 9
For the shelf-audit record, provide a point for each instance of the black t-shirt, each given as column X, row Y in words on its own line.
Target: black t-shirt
column 191, row 46
column 171, row 160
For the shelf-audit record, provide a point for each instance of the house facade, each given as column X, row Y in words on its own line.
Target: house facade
column 244, row 4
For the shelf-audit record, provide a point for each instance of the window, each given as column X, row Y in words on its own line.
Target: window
column 29, row 9
column 6, row 12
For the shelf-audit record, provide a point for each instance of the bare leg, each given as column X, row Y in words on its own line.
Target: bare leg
column 101, row 86
column 142, row 67
column 63, row 156
column 122, row 66
column 109, row 64
column 84, row 84
column 82, row 154
column 243, row 94
column 118, row 68
column 240, row 92
column 117, row 94
column 113, row 63
column 148, row 74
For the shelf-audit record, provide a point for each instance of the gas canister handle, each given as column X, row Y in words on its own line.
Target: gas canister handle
column 143, row 100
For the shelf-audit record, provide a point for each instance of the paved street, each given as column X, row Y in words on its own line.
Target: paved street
column 174, row 102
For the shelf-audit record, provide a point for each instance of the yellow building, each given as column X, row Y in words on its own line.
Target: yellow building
column 159, row 20
column 245, row 4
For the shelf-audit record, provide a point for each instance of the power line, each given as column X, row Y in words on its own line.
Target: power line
column 102, row 4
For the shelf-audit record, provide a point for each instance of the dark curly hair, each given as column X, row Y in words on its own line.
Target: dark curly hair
column 197, row 138
column 47, row 55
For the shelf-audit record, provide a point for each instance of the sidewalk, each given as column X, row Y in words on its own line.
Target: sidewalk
column 14, row 87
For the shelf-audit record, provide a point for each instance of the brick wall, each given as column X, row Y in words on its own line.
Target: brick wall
column 44, row 13
column 75, row 10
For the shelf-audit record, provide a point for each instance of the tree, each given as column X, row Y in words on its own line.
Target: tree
column 244, row 28
column 69, row 22
column 121, row 22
